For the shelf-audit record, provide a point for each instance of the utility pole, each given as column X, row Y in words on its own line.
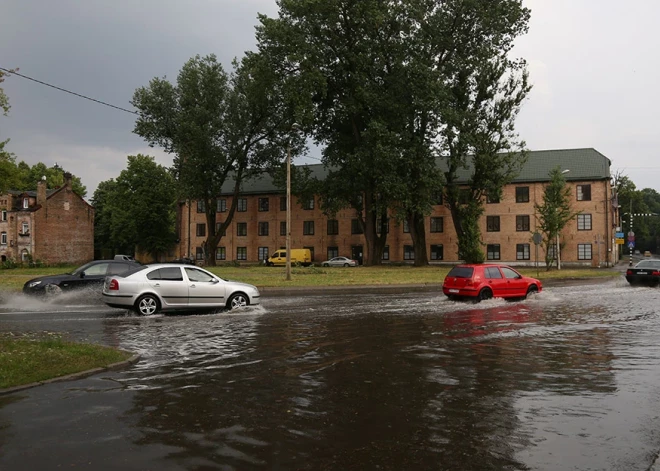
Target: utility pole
column 294, row 127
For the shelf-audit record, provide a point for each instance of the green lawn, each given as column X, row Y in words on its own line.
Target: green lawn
column 261, row 276
column 27, row 359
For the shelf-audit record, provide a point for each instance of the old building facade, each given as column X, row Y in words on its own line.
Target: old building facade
column 507, row 227
column 51, row 226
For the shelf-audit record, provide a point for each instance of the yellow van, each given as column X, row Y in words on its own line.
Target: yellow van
column 298, row 256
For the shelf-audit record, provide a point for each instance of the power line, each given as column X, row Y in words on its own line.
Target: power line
column 68, row 91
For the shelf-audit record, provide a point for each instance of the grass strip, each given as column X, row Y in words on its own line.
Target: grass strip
column 26, row 359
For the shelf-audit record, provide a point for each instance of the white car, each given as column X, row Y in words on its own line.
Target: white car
column 175, row 286
column 340, row 262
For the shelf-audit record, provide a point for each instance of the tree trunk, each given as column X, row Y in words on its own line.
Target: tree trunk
column 418, row 235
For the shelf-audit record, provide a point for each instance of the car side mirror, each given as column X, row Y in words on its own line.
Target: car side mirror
column 82, row 274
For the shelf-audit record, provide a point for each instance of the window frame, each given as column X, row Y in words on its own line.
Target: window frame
column 241, row 227
column 435, row 222
column 493, row 252
column 308, row 228
column 582, row 249
column 493, row 223
column 241, row 205
column 584, row 220
column 241, row 253
column 436, row 252
column 200, row 229
column 523, row 223
column 262, row 228
column 522, row 194
column 263, row 204
column 523, row 252
column 581, row 194
column 332, row 227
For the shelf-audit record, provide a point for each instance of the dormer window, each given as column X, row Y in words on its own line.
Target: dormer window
column 26, row 203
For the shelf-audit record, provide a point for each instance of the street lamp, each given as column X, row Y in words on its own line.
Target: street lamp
column 294, row 127
column 558, row 248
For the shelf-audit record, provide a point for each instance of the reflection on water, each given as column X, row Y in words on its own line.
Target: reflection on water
column 565, row 380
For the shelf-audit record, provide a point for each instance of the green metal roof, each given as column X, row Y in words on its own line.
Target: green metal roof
column 584, row 164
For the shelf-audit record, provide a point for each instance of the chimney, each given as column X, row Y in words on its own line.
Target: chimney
column 41, row 191
column 67, row 179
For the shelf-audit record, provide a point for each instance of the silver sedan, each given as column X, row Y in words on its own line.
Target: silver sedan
column 340, row 262
column 170, row 286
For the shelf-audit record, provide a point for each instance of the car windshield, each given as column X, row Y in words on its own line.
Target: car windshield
column 461, row 272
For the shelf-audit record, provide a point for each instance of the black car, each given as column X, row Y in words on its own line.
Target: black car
column 646, row 272
column 90, row 274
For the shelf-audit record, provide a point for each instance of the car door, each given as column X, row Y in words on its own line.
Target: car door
column 495, row 280
column 169, row 285
column 515, row 285
column 204, row 289
column 93, row 275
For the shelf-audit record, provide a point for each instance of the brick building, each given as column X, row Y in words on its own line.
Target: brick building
column 53, row 226
column 259, row 224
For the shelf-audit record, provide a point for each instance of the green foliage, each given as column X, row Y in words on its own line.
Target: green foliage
column 137, row 210
column 4, row 100
column 221, row 129
column 23, row 177
column 555, row 212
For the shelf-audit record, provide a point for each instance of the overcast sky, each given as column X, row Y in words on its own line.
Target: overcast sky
column 594, row 65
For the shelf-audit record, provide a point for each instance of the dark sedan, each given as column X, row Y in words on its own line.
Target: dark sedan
column 90, row 274
column 646, row 272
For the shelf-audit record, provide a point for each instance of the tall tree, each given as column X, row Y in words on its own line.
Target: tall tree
column 554, row 213
column 137, row 210
column 222, row 129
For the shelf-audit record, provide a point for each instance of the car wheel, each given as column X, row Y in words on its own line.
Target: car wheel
column 531, row 290
column 326, row 264
column 345, row 264
column 484, row 294
column 238, row 300
column 52, row 290
column 147, row 305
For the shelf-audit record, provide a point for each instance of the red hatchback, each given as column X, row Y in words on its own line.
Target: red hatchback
column 485, row 281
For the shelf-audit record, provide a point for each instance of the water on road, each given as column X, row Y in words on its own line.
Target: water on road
column 566, row 380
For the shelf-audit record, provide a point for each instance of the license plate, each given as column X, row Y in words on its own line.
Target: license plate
column 642, row 273
column 454, row 290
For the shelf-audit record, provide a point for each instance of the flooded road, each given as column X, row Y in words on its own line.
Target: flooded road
column 566, row 380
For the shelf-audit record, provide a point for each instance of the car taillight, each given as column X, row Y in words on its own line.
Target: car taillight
column 114, row 285
column 628, row 272
column 656, row 273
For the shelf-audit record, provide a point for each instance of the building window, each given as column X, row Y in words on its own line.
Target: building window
column 263, row 253
column 333, row 227
column 4, row 215
column 241, row 229
column 437, row 224
column 355, row 226
column 201, row 206
column 584, row 193
column 221, row 205
column 308, row 227
column 264, row 204
column 386, row 253
column 25, row 228
column 406, row 226
column 492, row 198
column 282, row 203
column 221, row 253
column 492, row 224
column 408, row 252
column 26, row 203
column 522, row 223
column 199, row 253
column 493, row 251
column 522, row 251
column 584, row 251
column 584, row 222
column 283, row 228
column 437, row 252
column 308, row 204
column 522, row 194
column 25, row 256
column 3, row 238
column 200, row 230
column 438, row 199
column 333, row 252
column 242, row 205
column 464, row 195
column 217, row 229
column 263, row 229
column 379, row 225
column 241, row 253
column 552, row 251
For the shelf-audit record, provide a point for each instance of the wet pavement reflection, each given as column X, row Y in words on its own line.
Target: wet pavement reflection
column 399, row 381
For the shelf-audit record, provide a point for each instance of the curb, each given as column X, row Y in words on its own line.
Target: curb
column 73, row 376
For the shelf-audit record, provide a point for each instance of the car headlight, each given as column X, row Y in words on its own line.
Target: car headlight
column 33, row 284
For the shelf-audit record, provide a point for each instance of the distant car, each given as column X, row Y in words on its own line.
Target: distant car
column 91, row 274
column 185, row 260
column 169, row 287
column 646, row 272
column 340, row 262
column 647, row 254
column 485, row 281
column 127, row 258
